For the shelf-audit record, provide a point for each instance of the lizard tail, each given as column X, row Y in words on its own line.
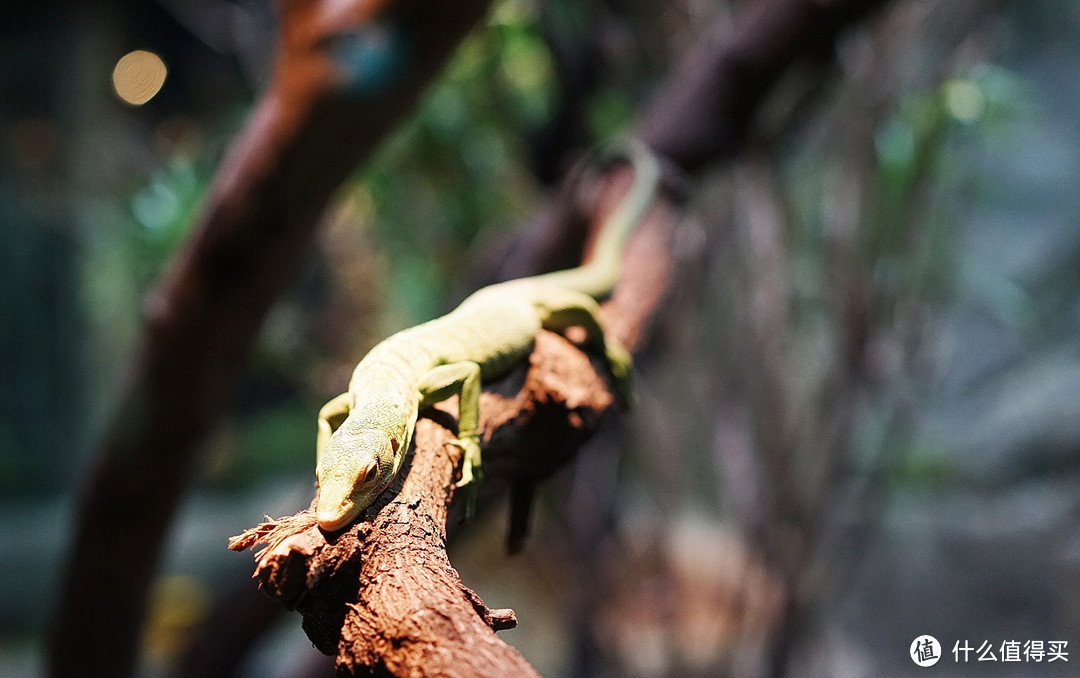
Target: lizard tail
column 598, row 277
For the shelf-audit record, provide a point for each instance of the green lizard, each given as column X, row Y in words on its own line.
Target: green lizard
column 365, row 432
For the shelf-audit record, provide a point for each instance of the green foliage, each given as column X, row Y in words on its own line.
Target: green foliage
column 609, row 110
column 164, row 207
column 454, row 171
column 278, row 439
column 923, row 469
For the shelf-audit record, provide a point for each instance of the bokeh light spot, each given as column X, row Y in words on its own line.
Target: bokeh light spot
column 138, row 76
column 965, row 100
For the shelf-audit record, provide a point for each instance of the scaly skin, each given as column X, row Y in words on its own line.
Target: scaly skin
column 365, row 432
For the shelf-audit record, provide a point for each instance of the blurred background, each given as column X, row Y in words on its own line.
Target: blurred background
column 858, row 415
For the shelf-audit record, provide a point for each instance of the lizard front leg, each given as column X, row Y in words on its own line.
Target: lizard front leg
column 462, row 378
column 330, row 417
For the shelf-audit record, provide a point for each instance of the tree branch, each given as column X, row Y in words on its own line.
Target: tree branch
column 705, row 111
column 305, row 135
column 382, row 596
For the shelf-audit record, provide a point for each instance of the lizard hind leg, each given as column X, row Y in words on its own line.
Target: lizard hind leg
column 561, row 308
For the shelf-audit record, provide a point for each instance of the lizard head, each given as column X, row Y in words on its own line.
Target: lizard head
column 357, row 464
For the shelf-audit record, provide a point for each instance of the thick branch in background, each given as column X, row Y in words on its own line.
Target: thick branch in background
column 705, row 111
column 302, row 140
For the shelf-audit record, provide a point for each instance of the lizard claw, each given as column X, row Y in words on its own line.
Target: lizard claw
column 471, row 472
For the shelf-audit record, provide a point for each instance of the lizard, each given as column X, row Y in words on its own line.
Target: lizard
column 364, row 433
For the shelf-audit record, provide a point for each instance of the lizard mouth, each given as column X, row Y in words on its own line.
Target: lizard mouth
column 332, row 518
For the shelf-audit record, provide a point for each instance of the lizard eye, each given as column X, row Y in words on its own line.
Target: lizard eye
column 369, row 475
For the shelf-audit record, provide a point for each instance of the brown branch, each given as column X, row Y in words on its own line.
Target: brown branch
column 706, row 110
column 382, row 596
column 303, row 138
